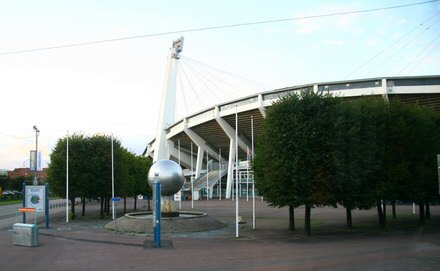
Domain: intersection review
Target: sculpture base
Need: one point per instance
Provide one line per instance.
(169, 214)
(186, 221)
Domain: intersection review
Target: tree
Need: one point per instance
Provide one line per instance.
(346, 182)
(423, 132)
(294, 161)
(398, 153)
(272, 179)
(90, 169)
(317, 150)
(136, 181)
(139, 173)
(77, 174)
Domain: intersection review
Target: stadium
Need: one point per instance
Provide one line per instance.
(215, 145)
(204, 143)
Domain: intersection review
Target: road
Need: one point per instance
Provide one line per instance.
(9, 215)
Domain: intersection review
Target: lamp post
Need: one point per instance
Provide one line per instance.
(37, 132)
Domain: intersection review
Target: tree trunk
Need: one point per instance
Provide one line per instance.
(125, 205)
(384, 203)
(349, 219)
(291, 218)
(394, 209)
(72, 201)
(149, 206)
(108, 205)
(83, 201)
(102, 207)
(104, 204)
(380, 215)
(307, 220)
(422, 217)
(428, 211)
(135, 203)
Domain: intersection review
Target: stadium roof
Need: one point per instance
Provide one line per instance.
(212, 128)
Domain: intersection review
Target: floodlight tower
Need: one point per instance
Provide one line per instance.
(168, 102)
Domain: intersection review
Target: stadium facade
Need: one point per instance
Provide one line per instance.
(205, 143)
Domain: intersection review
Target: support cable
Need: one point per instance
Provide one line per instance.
(389, 46)
(240, 77)
(214, 28)
(215, 77)
(182, 91)
(191, 85)
(435, 48)
(203, 82)
(406, 44)
(198, 73)
(419, 54)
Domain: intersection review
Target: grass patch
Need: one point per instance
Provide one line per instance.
(10, 202)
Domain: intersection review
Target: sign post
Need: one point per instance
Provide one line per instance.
(47, 204)
(23, 192)
(37, 197)
(28, 210)
(156, 212)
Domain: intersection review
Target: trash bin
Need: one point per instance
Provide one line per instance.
(25, 234)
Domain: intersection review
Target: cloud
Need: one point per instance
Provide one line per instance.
(14, 156)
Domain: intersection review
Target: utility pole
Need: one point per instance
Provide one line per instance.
(37, 132)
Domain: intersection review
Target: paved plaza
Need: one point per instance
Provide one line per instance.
(83, 244)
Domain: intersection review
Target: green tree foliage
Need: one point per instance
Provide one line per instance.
(16, 184)
(347, 179)
(418, 157)
(136, 183)
(372, 120)
(90, 169)
(294, 162)
(317, 150)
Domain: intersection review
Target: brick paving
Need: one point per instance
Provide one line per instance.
(84, 244)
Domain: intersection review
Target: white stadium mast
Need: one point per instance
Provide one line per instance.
(168, 102)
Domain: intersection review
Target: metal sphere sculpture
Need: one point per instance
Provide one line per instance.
(170, 176)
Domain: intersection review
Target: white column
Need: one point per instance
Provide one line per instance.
(168, 102)
(261, 105)
(231, 160)
(199, 161)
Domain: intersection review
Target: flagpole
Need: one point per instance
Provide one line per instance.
(237, 234)
(207, 176)
(192, 178)
(220, 173)
(253, 180)
(180, 191)
(247, 174)
(67, 179)
(113, 183)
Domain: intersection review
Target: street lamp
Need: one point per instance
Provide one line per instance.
(37, 132)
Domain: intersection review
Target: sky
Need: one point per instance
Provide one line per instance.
(115, 87)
